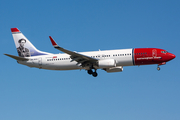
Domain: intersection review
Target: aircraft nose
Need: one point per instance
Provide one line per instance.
(171, 56)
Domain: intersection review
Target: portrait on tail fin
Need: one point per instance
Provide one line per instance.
(22, 51)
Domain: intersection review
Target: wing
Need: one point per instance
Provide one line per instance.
(17, 58)
(79, 58)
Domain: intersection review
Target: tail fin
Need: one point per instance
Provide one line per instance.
(24, 47)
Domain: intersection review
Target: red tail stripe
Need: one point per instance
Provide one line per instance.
(14, 30)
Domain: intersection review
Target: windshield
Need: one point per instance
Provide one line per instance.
(164, 51)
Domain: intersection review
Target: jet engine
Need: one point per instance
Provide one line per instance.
(106, 63)
(114, 69)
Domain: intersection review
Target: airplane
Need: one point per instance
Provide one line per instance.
(108, 60)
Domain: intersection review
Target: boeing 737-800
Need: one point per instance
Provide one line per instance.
(108, 60)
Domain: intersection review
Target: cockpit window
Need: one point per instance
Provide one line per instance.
(164, 51)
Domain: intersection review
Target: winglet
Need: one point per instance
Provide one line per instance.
(53, 42)
(14, 30)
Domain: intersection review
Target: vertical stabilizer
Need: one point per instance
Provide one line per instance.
(24, 47)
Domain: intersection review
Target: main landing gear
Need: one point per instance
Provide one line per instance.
(94, 74)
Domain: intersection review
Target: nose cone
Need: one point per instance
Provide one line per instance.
(171, 56)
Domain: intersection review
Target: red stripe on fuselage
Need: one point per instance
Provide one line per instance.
(145, 56)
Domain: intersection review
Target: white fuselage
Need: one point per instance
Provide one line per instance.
(123, 57)
(108, 60)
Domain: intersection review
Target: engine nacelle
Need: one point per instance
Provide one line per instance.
(114, 69)
(106, 63)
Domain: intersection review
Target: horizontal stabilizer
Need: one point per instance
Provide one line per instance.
(17, 58)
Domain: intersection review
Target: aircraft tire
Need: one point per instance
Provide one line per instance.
(94, 74)
(158, 68)
(90, 72)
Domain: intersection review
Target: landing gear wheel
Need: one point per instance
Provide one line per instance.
(158, 68)
(90, 72)
(94, 74)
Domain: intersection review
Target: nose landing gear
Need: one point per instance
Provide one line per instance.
(163, 63)
(158, 68)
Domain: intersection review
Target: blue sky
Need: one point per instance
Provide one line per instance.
(137, 93)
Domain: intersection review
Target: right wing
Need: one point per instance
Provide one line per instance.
(79, 58)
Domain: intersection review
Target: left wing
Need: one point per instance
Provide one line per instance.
(79, 58)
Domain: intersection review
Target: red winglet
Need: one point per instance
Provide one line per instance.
(14, 30)
(52, 41)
